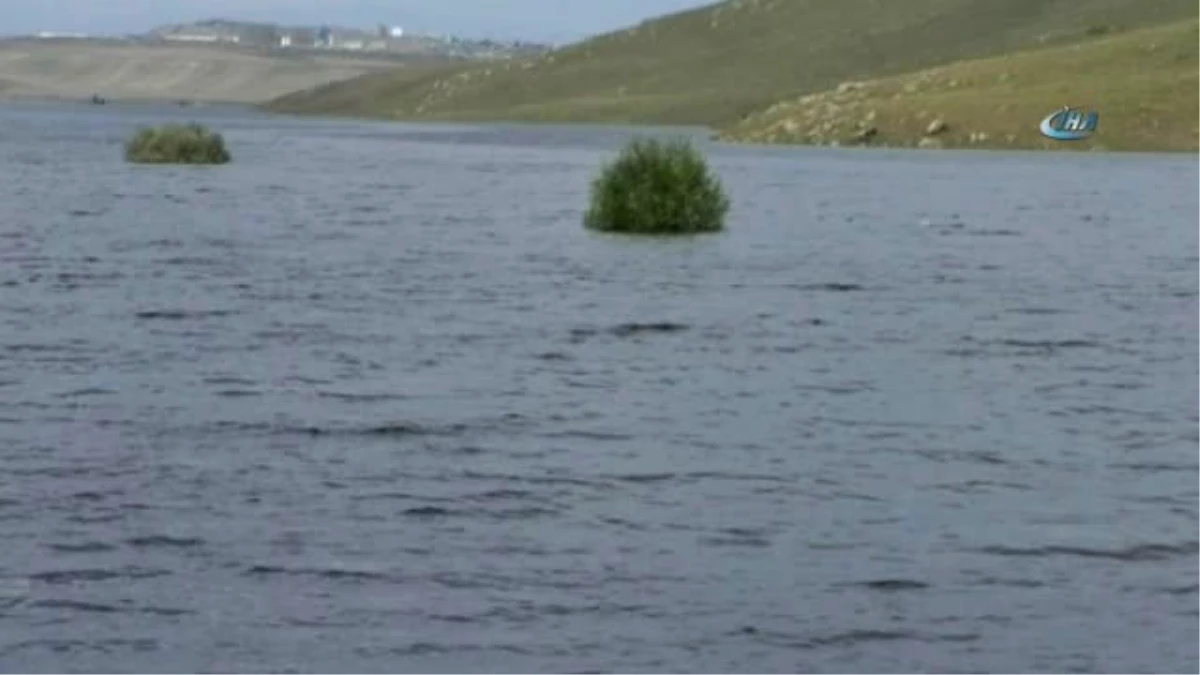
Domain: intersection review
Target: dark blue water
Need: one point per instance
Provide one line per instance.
(369, 399)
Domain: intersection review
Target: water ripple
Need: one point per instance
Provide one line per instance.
(370, 398)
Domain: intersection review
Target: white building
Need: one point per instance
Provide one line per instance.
(397, 32)
(285, 41)
(202, 37)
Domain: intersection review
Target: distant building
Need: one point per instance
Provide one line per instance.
(285, 40)
(201, 34)
(397, 32)
(193, 37)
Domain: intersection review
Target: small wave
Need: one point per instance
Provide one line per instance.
(693, 477)
(430, 512)
(77, 606)
(622, 523)
(1010, 583)
(736, 541)
(398, 429)
(1048, 344)
(838, 390)
(455, 618)
(829, 287)
(57, 645)
(1103, 410)
(324, 573)
(1138, 553)
(591, 435)
(35, 348)
(361, 397)
(979, 486)
(164, 541)
(165, 611)
(180, 314)
(627, 330)
(995, 233)
(89, 496)
(1156, 467)
(554, 356)
(94, 575)
(418, 649)
(503, 493)
(1025, 347)
(852, 638)
(1038, 311)
(89, 519)
(893, 585)
(87, 547)
(184, 260)
(405, 429)
(552, 478)
(976, 456)
(86, 392)
(519, 513)
(855, 637)
(644, 477)
(230, 381)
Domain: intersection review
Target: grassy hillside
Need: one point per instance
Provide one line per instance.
(1143, 84)
(71, 69)
(719, 63)
(366, 95)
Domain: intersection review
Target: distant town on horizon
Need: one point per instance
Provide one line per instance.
(382, 38)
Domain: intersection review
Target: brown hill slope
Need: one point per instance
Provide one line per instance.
(73, 69)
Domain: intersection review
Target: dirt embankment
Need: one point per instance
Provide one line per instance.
(57, 69)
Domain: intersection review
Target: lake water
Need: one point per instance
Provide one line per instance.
(370, 399)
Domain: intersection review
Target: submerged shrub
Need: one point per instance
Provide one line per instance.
(657, 187)
(177, 144)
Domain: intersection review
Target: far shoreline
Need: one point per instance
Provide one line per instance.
(713, 135)
(709, 134)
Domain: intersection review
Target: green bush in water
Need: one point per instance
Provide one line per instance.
(177, 144)
(657, 187)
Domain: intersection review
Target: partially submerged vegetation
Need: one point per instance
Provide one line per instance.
(714, 65)
(660, 188)
(177, 144)
(1143, 84)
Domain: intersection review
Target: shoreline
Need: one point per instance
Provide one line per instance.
(710, 134)
(715, 135)
(87, 101)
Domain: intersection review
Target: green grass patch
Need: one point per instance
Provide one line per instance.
(1142, 83)
(177, 144)
(714, 65)
(658, 188)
